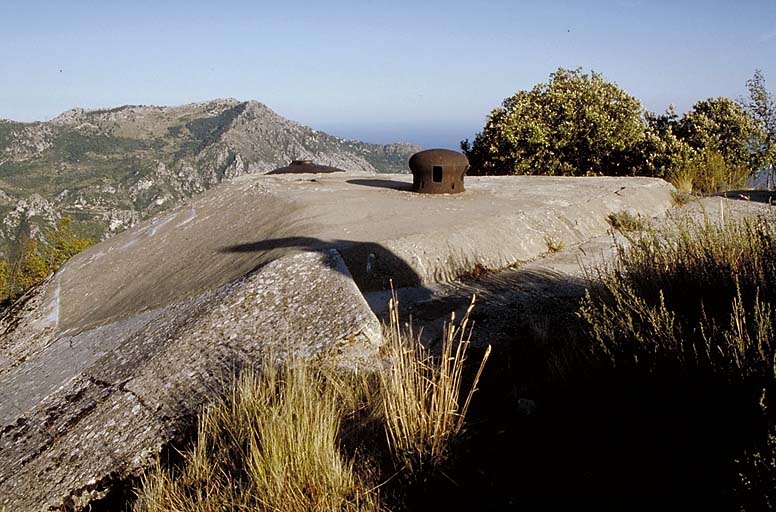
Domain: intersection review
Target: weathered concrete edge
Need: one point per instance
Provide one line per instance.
(499, 243)
(127, 413)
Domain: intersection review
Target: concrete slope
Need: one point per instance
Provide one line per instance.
(108, 361)
(383, 232)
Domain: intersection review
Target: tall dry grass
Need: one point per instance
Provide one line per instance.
(708, 172)
(271, 445)
(276, 442)
(421, 392)
(686, 315)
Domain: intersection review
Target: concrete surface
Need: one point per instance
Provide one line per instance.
(106, 363)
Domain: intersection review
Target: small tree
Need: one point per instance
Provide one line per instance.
(661, 152)
(721, 125)
(576, 124)
(762, 107)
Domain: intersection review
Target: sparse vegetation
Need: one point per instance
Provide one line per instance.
(553, 244)
(124, 159)
(625, 221)
(36, 260)
(276, 443)
(686, 317)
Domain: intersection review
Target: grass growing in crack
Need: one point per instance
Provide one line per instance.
(553, 245)
(625, 221)
(277, 442)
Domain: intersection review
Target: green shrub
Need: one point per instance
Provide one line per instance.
(579, 124)
(576, 124)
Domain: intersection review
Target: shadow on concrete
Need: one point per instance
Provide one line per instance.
(538, 302)
(372, 266)
(757, 196)
(377, 183)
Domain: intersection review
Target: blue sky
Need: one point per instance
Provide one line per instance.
(426, 72)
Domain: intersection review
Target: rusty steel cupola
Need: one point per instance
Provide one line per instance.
(438, 171)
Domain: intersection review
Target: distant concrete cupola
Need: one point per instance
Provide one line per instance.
(304, 167)
(438, 171)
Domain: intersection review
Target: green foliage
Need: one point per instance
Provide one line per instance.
(73, 146)
(661, 152)
(7, 129)
(37, 260)
(761, 105)
(722, 126)
(63, 244)
(577, 124)
(207, 130)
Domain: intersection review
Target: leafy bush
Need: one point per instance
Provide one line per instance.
(720, 126)
(580, 125)
(577, 124)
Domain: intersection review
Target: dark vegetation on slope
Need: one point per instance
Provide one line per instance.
(662, 389)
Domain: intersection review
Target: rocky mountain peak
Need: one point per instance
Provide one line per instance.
(108, 168)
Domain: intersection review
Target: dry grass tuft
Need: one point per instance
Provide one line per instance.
(421, 393)
(708, 172)
(681, 198)
(277, 441)
(272, 445)
(553, 245)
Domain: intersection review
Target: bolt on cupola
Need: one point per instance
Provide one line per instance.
(438, 171)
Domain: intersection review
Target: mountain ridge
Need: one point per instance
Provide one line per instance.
(108, 168)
